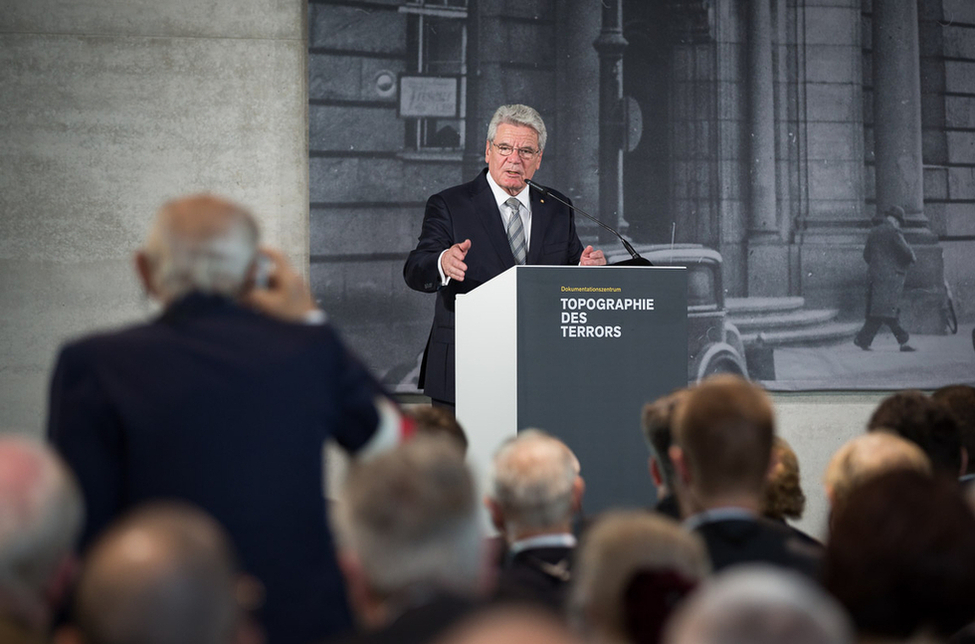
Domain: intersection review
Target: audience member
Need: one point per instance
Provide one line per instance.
(917, 417)
(438, 420)
(658, 419)
(511, 625)
(960, 401)
(866, 457)
(901, 557)
(41, 514)
(760, 604)
(632, 570)
(721, 453)
(412, 547)
(536, 492)
(224, 407)
(163, 574)
(784, 498)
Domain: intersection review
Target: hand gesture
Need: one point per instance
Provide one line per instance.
(452, 261)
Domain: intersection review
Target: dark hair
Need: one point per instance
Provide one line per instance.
(658, 420)
(438, 421)
(926, 422)
(650, 598)
(960, 401)
(901, 556)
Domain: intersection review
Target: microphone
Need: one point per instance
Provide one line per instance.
(635, 258)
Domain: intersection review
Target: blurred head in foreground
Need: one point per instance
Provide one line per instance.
(759, 605)
(901, 556)
(631, 571)
(164, 574)
(408, 523)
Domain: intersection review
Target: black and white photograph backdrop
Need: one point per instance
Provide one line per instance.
(764, 144)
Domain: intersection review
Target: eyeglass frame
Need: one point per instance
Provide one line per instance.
(522, 152)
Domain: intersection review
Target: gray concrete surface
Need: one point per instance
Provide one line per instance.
(110, 107)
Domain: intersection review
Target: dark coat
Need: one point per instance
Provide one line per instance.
(759, 540)
(537, 576)
(469, 211)
(226, 409)
(888, 256)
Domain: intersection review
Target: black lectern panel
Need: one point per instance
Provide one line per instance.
(595, 344)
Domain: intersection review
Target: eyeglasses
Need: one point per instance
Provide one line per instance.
(526, 154)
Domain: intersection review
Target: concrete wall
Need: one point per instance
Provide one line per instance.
(110, 107)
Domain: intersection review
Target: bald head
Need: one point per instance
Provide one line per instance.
(537, 487)
(199, 243)
(163, 575)
(41, 513)
(868, 456)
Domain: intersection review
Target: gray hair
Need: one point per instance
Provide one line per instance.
(410, 515)
(620, 545)
(518, 115)
(41, 515)
(201, 243)
(534, 474)
(759, 605)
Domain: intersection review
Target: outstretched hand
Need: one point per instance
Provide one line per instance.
(592, 257)
(285, 296)
(452, 261)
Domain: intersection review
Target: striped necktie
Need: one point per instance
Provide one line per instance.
(516, 232)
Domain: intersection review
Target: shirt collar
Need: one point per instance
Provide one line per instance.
(501, 195)
(718, 514)
(561, 540)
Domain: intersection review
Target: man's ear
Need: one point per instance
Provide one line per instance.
(578, 490)
(496, 514)
(681, 468)
(654, 466)
(357, 586)
(143, 266)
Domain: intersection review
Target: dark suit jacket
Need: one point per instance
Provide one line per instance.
(888, 256)
(469, 211)
(227, 409)
(423, 623)
(537, 576)
(735, 541)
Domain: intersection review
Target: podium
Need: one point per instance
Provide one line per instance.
(575, 351)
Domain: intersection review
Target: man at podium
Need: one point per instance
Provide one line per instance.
(475, 231)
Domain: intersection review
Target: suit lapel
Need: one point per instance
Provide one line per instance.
(490, 217)
(542, 212)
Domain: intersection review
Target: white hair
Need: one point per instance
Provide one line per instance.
(411, 517)
(534, 475)
(216, 260)
(41, 515)
(759, 605)
(518, 115)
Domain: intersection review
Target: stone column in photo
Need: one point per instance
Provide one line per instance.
(767, 253)
(610, 46)
(898, 159)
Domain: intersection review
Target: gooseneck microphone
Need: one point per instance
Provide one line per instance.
(636, 258)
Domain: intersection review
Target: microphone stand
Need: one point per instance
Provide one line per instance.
(635, 258)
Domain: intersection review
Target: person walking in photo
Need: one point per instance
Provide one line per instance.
(888, 255)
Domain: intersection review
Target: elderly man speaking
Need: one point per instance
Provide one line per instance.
(225, 401)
